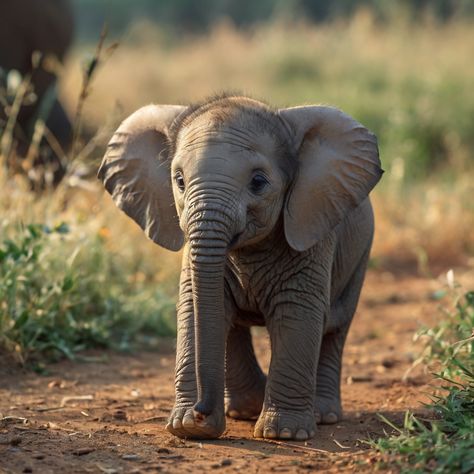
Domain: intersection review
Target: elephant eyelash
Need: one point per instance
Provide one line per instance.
(179, 180)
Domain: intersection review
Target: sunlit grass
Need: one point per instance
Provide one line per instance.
(427, 225)
(411, 84)
(76, 274)
(444, 443)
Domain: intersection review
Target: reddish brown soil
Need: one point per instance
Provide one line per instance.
(118, 424)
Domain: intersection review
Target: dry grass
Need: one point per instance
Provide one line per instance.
(412, 85)
(344, 64)
(90, 213)
(427, 227)
(103, 281)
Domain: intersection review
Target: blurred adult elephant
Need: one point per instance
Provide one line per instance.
(46, 27)
(273, 206)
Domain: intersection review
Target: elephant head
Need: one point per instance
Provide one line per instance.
(221, 176)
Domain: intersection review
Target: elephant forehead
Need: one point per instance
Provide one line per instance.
(225, 148)
(229, 133)
(217, 157)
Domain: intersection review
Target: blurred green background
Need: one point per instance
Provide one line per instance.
(177, 16)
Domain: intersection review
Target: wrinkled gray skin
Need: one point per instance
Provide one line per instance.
(273, 207)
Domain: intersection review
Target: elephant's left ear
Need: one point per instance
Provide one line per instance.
(338, 166)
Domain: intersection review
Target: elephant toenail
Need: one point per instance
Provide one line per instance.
(269, 433)
(330, 418)
(312, 433)
(285, 433)
(233, 413)
(177, 424)
(188, 422)
(301, 435)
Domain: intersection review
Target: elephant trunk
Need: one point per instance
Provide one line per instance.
(209, 240)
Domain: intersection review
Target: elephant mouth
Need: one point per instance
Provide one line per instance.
(234, 241)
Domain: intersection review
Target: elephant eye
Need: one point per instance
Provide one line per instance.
(179, 180)
(258, 183)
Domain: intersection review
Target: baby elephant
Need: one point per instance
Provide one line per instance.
(273, 208)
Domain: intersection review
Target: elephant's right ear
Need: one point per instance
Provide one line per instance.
(136, 172)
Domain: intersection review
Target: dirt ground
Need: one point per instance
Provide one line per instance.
(107, 413)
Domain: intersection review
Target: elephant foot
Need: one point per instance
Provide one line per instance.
(185, 422)
(285, 424)
(327, 411)
(245, 404)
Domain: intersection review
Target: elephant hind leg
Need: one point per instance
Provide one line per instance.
(327, 403)
(328, 408)
(245, 381)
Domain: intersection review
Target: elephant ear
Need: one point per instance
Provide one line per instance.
(136, 172)
(338, 165)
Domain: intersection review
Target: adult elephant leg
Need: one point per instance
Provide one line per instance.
(328, 409)
(244, 379)
(185, 371)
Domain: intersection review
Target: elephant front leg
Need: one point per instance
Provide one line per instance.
(288, 410)
(182, 421)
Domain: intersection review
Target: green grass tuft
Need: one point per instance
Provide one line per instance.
(444, 444)
(62, 292)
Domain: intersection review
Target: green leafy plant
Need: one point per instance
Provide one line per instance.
(444, 444)
(450, 343)
(61, 293)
